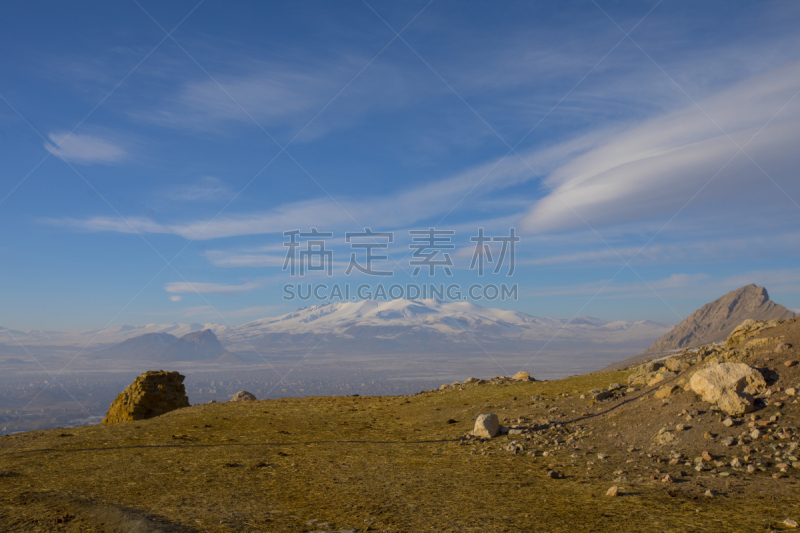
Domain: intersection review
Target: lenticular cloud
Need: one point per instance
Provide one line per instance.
(656, 168)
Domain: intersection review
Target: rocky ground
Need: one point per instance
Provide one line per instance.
(637, 449)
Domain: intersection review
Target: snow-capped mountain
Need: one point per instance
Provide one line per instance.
(431, 325)
(398, 326)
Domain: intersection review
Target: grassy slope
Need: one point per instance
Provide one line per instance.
(355, 463)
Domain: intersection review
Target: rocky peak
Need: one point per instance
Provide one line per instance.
(716, 320)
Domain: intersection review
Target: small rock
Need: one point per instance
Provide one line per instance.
(790, 363)
(782, 347)
(706, 456)
(708, 436)
(709, 494)
(553, 474)
(730, 441)
(728, 422)
(680, 427)
(755, 434)
(243, 396)
(791, 391)
(790, 523)
(664, 391)
(602, 456)
(614, 386)
(664, 437)
(613, 491)
(667, 479)
(751, 469)
(736, 463)
(521, 376)
(599, 394)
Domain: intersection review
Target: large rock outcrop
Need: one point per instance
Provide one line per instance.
(153, 393)
(715, 321)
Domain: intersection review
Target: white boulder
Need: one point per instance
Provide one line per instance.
(486, 425)
(730, 385)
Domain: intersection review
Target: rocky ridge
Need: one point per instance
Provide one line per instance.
(715, 321)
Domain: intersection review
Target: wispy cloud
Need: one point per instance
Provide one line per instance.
(181, 287)
(84, 149)
(610, 176)
(205, 189)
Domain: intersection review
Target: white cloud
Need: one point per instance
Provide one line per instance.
(653, 169)
(205, 189)
(385, 212)
(208, 288)
(175, 298)
(84, 149)
(227, 259)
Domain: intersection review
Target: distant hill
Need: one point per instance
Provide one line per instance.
(195, 346)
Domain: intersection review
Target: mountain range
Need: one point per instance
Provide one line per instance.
(397, 326)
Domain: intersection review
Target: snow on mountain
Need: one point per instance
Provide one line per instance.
(370, 326)
(431, 322)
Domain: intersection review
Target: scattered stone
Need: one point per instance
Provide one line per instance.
(755, 434)
(709, 494)
(790, 523)
(554, 474)
(790, 363)
(522, 376)
(243, 396)
(708, 436)
(791, 391)
(667, 479)
(736, 463)
(706, 456)
(613, 491)
(153, 393)
(486, 425)
(730, 441)
(614, 386)
(728, 422)
(680, 427)
(751, 469)
(602, 456)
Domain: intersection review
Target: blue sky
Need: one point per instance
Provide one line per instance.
(153, 154)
